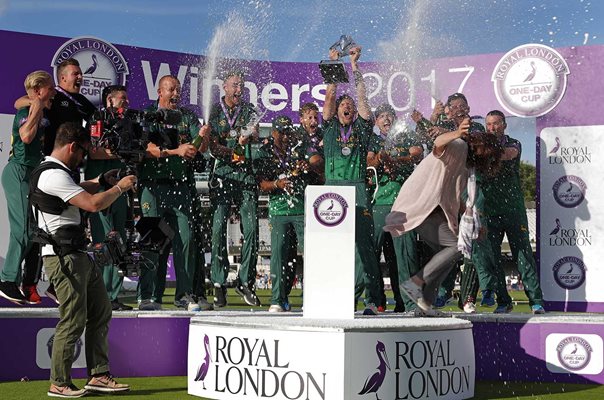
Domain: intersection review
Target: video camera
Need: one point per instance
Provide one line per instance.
(153, 234)
(125, 132)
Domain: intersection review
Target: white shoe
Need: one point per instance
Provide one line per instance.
(412, 290)
(469, 308)
(275, 308)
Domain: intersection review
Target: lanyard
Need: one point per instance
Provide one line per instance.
(226, 114)
(345, 136)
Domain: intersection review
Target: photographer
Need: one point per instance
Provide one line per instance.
(115, 99)
(165, 176)
(58, 200)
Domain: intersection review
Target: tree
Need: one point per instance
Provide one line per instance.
(528, 181)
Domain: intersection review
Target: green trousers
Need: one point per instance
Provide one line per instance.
(282, 269)
(400, 254)
(15, 182)
(101, 223)
(367, 272)
(515, 226)
(172, 201)
(199, 277)
(246, 198)
(83, 305)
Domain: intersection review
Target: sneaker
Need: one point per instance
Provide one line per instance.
(412, 290)
(286, 306)
(117, 306)
(469, 307)
(10, 291)
(30, 292)
(370, 309)
(219, 295)
(52, 294)
(442, 301)
(106, 384)
(204, 304)
(488, 298)
(248, 295)
(66, 392)
(399, 308)
(148, 305)
(276, 308)
(538, 309)
(188, 302)
(381, 309)
(431, 313)
(503, 309)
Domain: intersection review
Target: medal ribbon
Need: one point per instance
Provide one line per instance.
(345, 136)
(230, 120)
(70, 97)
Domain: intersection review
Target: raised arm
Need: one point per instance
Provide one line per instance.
(441, 142)
(329, 107)
(363, 107)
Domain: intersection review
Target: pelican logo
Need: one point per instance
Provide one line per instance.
(574, 353)
(203, 369)
(559, 236)
(102, 64)
(569, 272)
(330, 209)
(560, 154)
(530, 80)
(375, 381)
(569, 191)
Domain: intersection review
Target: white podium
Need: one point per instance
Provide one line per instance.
(329, 223)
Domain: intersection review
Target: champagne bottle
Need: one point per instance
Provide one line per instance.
(197, 141)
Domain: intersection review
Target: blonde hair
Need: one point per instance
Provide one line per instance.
(37, 79)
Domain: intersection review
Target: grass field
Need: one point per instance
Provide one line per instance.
(175, 387)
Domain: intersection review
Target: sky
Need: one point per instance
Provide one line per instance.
(301, 31)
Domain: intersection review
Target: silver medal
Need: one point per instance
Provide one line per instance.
(282, 176)
(346, 151)
(233, 133)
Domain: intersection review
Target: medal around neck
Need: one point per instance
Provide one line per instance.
(346, 151)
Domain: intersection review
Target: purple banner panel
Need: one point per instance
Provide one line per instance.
(154, 346)
(277, 87)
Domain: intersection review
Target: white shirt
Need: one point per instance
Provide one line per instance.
(57, 182)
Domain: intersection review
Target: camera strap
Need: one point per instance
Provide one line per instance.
(41, 201)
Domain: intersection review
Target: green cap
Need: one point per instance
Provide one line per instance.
(282, 123)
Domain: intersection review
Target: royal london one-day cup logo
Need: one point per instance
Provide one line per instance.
(569, 272)
(574, 352)
(569, 191)
(530, 80)
(102, 64)
(330, 209)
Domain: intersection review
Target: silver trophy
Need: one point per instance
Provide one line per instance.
(333, 71)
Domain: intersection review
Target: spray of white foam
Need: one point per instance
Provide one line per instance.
(236, 41)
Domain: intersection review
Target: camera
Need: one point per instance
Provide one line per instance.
(125, 134)
(152, 234)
